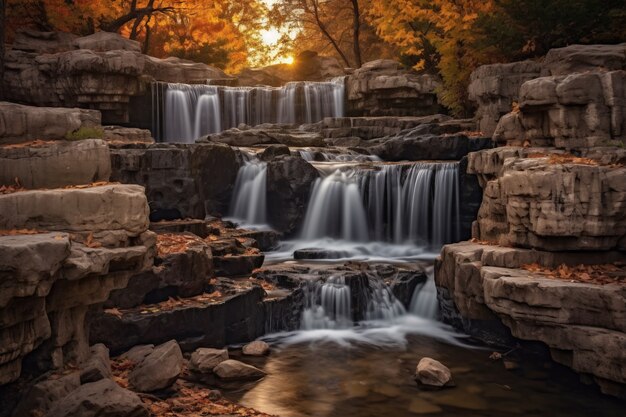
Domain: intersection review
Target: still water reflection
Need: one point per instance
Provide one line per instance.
(326, 379)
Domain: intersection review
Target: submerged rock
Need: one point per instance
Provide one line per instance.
(159, 369)
(256, 348)
(432, 373)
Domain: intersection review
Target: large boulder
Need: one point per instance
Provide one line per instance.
(549, 202)
(183, 266)
(42, 395)
(99, 399)
(433, 373)
(204, 360)
(159, 370)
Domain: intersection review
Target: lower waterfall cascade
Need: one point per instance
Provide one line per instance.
(189, 111)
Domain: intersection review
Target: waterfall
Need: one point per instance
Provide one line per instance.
(327, 305)
(383, 305)
(396, 203)
(336, 209)
(424, 300)
(249, 202)
(190, 111)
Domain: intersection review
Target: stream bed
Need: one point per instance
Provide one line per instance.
(335, 375)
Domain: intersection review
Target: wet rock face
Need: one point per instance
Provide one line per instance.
(382, 88)
(582, 323)
(289, 182)
(102, 71)
(181, 180)
(420, 144)
(178, 274)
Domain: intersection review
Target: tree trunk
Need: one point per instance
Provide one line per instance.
(356, 32)
(327, 34)
(2, 38)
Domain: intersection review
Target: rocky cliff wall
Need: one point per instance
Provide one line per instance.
(67, 239)
(547, 259)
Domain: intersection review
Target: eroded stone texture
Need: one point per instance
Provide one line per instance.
(55, 164)
(49, 280)
(181, 181)
(573, 111)
(581, 108)
(20, 123)
(495, 87)
(583, 324)
(103, 74)
(91, 209)
(532, 202)
(382, 88)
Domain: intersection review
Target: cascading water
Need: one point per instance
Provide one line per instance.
(249, 202)
(191, 111)
(424, 300)
(327, 305)
(397, 203)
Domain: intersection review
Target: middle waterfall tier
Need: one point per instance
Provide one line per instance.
(189, 111)
(397, 203)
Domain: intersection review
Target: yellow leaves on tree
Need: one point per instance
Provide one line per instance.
(439, 33)
(215, 32)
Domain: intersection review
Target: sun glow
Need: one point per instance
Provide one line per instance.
(270, 36)
(288, 60)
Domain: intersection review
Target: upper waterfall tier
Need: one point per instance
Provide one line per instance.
(185, 112)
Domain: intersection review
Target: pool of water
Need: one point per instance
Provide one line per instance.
(357, 376)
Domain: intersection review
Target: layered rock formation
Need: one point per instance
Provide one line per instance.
(101, 71)
(63, 250)
(181, 180)
(494, 88)
(554, 198)
(382, 88)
